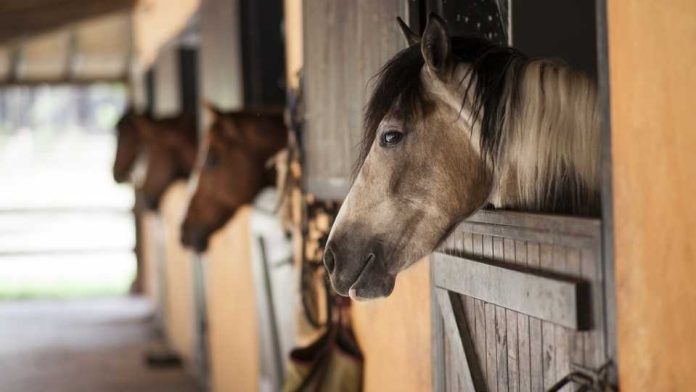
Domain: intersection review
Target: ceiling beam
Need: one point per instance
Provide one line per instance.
(22, 19)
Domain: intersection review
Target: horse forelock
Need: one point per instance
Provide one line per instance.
(398, 88)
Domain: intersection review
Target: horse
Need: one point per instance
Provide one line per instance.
(171, 144)
(128, 146)
(455, 124)
(231, 169)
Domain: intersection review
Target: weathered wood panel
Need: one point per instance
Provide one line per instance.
(550, 298)
(346, 42)
(653, 127)
(518, 347)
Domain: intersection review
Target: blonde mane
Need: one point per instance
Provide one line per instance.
(549, 151)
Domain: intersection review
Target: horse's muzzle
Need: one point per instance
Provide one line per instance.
(358, 271)
(195, 237)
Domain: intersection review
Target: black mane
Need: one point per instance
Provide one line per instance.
(398, 86)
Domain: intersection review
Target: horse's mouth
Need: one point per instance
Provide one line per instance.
(368, 262)
(373, 281)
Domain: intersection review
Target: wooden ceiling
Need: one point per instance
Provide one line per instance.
(26, 18)
(65, 41)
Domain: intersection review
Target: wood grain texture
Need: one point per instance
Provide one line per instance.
(231, 305)
(179, 312)
(517, 351)
(338, 66)
(394, 334)
(652, 81)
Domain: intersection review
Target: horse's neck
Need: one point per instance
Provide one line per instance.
(550, 146)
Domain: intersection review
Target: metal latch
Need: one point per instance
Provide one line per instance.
(590, 380)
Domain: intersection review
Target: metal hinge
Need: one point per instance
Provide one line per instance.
(590, 380)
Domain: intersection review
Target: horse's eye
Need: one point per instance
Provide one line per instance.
(391, 138)
(211, 161)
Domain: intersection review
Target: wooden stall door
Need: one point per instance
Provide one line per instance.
(517, 302)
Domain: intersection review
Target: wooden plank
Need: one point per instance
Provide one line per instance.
(528, 234)
(593, 344)
(523, 346)
(512, 319)
(576, 339)
(491, 332)
(456, 346)
(548, 298)
(479, 307)
(438, 345)
(501, 330)
(566, 225)
(559, 254)
(491, 356)
(536, 372)
(548, 336)
(501, 348)
(338, 68)
(464, 245)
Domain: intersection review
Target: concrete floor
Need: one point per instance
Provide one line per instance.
(81, 345)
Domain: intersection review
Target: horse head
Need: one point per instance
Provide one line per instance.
(231, 169)
(455, 123)
(171, 145)
(128, 146)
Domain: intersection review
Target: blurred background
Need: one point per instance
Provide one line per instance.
(66, 228)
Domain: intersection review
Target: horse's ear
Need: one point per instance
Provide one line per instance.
(411, 37)
(212, 109)
(436, 47)
(230, 128)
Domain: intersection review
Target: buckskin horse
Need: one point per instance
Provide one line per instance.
(231, 170)
(171, 145)
(453, 124)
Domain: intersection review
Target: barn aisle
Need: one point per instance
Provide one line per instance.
(81, 345)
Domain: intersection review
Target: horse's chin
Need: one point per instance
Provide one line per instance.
(196, 240)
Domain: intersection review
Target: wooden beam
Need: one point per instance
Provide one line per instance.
(549, 298)
(451, 328)
(22, 19)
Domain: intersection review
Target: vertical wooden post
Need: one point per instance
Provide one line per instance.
(652, 78)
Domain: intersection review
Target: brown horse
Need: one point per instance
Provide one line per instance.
(171, 145)
(456, 123)
(128, 146)
(232, 169)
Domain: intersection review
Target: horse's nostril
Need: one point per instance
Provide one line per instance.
(329, 259)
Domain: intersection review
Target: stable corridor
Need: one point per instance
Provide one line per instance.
(82, 345)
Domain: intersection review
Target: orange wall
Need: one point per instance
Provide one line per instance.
(394, 334)
(179, 298)
(652, 54)
(232, 319)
